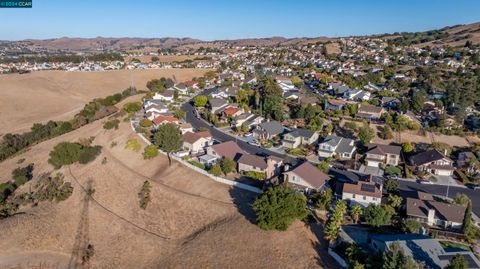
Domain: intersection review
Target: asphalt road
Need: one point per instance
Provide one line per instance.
(252, 149)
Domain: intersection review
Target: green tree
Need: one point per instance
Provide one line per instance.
(377, 216)
(149, 152)
(458, 262)
(200, 101)
(216, 170)
(325, 199)
(412, 226)
(323, 166)
(228, 165)
(461, 199)
(297, 81)
(408, 147)
(169, 139)
(132, 107)
(64, 153)
(331, 232)
(271, 99)
(395, 258)
(394, 200)
(278, 207)
(355, 212)
(391, 185)
(366, 134)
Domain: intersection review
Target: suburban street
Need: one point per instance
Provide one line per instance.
(440, 190)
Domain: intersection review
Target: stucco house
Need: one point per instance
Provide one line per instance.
(197, 142)
(362, 193)
(306, 177)
(433, 162)
(382, 154)
(268, 165)
(298, 137)
(334, 145)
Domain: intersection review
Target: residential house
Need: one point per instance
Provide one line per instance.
(227, 149)
(197, 142)
(334, 104)
(230, 112)
(268, 165)
(185, 127)
(357, 95)
(423, 249)
(249, 80)
(390, 102)
(435, 213)
(306, 177)
(153, 110)
(466, 160)
(362, 193)
(334, 145)
(370, 112)
(163, 119)
(432, 161)
(268, 130)
(241, 119)
(252, 122)
(181, 88)
(166, 95)
(382, 154)
(216, 104)
(298, 137)
(284, 83)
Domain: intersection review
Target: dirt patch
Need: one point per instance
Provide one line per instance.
(58, 95)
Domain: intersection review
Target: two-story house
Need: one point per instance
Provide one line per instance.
(216, 104)
(382, 154)
(306, 177)
(298, 137)
(268, 130)
(197, 142)
(370, 112)
(334, 104)
(269, 165)
(334, 145)
(362, 193)
(432, 161)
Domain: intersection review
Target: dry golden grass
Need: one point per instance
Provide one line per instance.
(57, 95)
(163, 58)
(191, 220)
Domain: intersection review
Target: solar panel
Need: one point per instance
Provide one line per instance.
(367, 188)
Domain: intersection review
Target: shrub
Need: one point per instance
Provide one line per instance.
(133, 144)
(132, 107)
(89, 154)
(197, 164)
(21, 175)
(144, 195)
(52, 188)
(111, 124)
(64, 153)
(146, 123)
(393, 170)
(216, 170)
(256, 175)
(412, 226)
(150, 152)
(88, 253)
(200, 101)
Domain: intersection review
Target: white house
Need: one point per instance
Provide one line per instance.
(363, 193)
(336, 146)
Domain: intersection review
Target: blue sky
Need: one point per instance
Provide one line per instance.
(229, 19)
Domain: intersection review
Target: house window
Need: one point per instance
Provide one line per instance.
(364, 197)
(353, 196)
(374, 199)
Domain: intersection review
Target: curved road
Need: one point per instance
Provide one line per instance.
(440, 190)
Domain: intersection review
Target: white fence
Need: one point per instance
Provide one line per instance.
(199, 170)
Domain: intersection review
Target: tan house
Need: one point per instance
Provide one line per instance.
(299, 137)
(197, 142)
(268, 165)
(382, 154)
(306, 177)
(228, 149)
(370, 112)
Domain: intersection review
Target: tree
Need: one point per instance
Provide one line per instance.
(132, 107)
(200, 101)
(216, 170)
(391, 185)
(149, 152)
(395, 258)
(366, 134)
(271, 99)
(461, 199)
(408, 147)
(325, 199)
(145, 123)
(64, 153)
(323, 166)
(386, 133)
(412, 226)
(278, 207)
(331, 231)
(355, 212)
(458, 262)
(377, 216)
(394, 200)
(297, 81)
(169, 139)
(228, 165)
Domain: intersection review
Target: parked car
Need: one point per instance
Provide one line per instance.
(424, 181)
(473, 186)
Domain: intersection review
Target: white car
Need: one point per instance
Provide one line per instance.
(424, 181)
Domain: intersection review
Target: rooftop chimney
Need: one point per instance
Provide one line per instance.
(431, 217)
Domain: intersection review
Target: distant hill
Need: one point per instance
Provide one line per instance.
(452, 36)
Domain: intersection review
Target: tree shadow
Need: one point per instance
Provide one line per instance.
(243, 201)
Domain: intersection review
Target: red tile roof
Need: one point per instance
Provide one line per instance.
(164, 119)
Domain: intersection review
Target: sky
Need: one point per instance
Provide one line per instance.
(231, 19)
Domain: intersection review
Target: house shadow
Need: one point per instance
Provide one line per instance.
(243, 201)
(320, 245)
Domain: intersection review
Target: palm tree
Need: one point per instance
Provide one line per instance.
(331, 232)
(356, 212)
